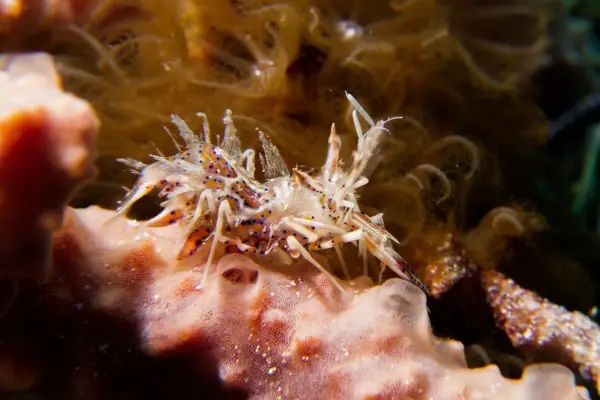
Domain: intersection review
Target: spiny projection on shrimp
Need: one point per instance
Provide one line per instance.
(211, 191)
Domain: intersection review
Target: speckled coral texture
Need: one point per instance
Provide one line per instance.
(279, 331)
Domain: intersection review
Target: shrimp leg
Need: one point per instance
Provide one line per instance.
(224, 215)
(296, 250)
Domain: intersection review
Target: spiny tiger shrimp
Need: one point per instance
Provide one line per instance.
(211, 191)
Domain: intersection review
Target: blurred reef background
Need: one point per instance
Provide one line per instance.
(494, 166)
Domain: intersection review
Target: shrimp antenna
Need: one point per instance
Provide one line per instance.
(360, 109)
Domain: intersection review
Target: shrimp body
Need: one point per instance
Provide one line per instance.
(211, 191)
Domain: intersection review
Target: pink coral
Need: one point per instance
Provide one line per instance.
(279, 331)
(47, 140)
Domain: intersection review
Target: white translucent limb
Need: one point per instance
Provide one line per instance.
(175, 142)
(134, 196)
(296, 250)
(136, 165)
(301, 229)
(348, 204)
(157, 221)
(231, 144)
(362, 181)
(157, 150)
(345, 238)
(303, 176)
(395, 262)
(224, 215)
(360, 109)
(206, 201)
(340, 256)
(185, 131)
(249, 157)
(364, 254)
(242, 246)
(360, 148)
(358, 129)
(377, 219)
(273, 164)
(333, 154)
(205, 126)
(374, 227)
(298, 223)
(316, 224)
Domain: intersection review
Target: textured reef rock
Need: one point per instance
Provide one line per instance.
(537, 326)
(277, 331)
(441, 259)
(47, 140)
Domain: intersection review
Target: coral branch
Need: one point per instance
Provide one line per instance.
(46, 151)
(538, 327)
(441, 260)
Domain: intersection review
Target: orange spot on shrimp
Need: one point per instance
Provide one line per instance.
(193, 242)
(166, 217)
(248, 195)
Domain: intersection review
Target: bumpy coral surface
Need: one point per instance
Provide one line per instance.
(535, 325)
(46, 151)
(278, 331)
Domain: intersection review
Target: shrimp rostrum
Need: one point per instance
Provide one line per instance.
(210, 190)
